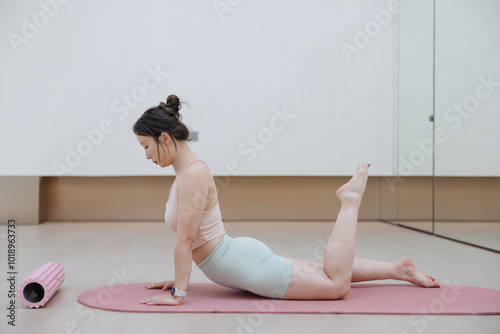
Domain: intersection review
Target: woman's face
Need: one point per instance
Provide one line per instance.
(152, 149)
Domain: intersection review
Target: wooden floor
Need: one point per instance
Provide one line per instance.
(96, 254)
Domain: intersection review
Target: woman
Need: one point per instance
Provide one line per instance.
(245, 263)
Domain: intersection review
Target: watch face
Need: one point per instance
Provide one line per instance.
(172, 292)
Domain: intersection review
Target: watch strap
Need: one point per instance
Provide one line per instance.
(176, 292)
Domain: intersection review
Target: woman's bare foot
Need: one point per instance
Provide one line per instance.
(352, 191)
(409, 272)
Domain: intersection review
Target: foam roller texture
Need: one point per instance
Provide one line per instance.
(40, 286)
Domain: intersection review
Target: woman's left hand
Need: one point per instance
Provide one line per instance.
(163, 299)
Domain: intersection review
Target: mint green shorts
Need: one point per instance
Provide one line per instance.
(248, 264)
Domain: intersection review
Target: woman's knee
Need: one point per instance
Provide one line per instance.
(334, 289)
(340, 290)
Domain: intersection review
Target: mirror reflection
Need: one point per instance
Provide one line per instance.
(447, 115)
(467, 105)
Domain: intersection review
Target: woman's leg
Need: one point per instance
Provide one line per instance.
(403, 270)
(339, 262)
(309, 280)
(368, 270)
(333, 279)
(339, 253)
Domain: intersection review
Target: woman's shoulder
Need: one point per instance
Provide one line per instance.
(196, 172)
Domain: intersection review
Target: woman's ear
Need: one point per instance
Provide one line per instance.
(165, 138)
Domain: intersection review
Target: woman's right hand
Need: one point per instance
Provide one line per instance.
(161, 285)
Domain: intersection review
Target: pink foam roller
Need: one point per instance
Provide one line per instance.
(40, 286)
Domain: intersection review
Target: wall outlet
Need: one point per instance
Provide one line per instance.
(193, 136)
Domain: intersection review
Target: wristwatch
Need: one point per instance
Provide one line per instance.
(176, 292)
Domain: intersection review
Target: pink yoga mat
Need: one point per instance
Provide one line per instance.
(363, 299)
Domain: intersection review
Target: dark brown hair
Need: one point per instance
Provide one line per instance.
(163, 118)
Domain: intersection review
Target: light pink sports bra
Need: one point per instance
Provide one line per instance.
(211, 225)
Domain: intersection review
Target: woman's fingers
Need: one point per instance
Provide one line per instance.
(164, 299)
(168, 285)
(165, 285)
(158, 285)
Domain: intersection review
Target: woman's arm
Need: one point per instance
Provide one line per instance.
(193, 196)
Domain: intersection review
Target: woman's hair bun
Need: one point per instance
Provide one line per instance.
(172, 106)
(173, 101)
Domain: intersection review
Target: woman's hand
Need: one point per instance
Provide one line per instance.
(161, 285)
(164, 299)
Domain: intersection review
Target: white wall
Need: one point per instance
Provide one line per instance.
(467, 108)
(67, 68)
(467, 111)
(414, 87)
